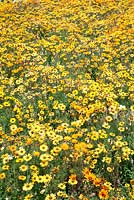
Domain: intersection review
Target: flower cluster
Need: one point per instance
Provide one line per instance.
(67, 100)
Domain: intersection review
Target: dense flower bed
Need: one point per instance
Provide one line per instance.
(67, 100)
